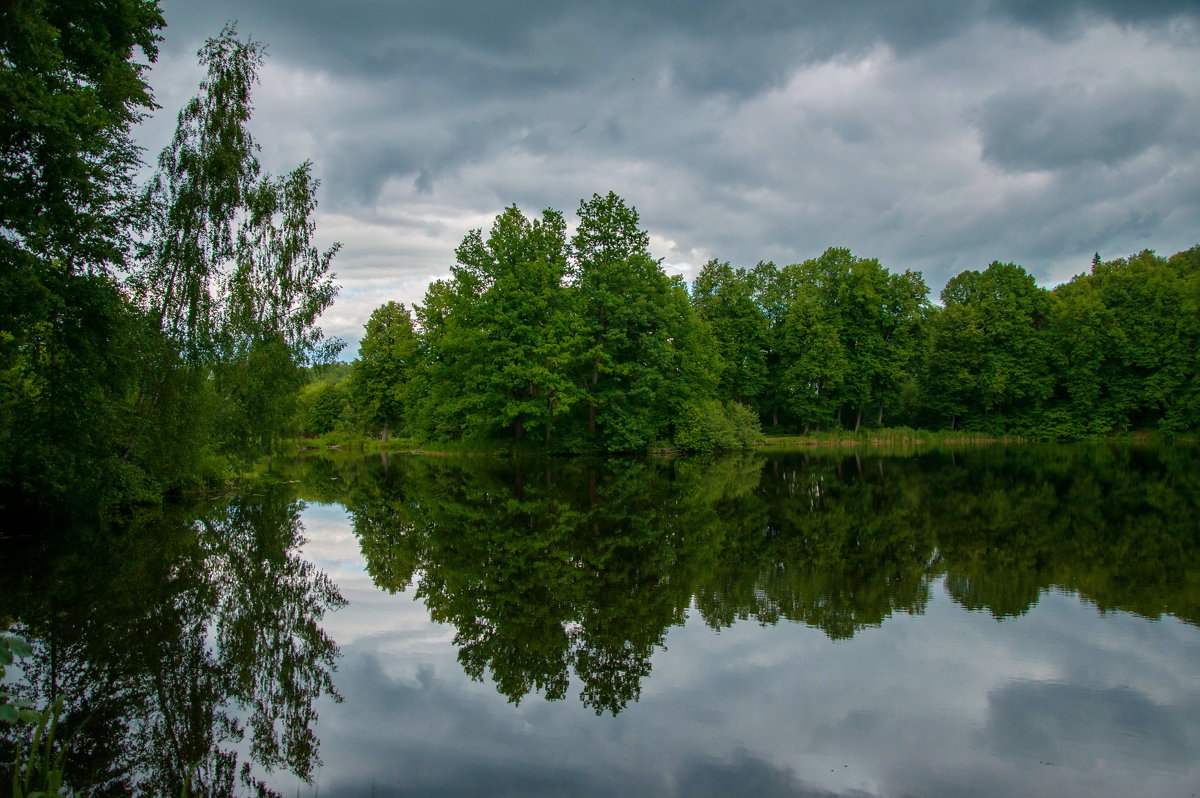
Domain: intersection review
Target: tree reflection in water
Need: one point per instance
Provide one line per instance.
(554, 568)
(185, 641)
(191, 636)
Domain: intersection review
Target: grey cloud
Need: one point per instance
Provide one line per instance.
(1072, 124)
(720, 47)
(430, 737)
(742, 131)
(1064, 17)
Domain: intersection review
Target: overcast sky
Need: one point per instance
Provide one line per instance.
(936, 136)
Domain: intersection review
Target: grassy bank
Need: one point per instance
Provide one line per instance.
(895, 438)
(891, 437)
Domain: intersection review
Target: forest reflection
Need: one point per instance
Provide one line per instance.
(186, 642)
(550, 568)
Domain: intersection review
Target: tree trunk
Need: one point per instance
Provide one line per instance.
(879, 418)
(858, 419)
(385, 432)
(519, 427)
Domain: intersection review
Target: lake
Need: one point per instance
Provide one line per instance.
(988, 621)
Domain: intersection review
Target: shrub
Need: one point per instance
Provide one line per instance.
(709, 426)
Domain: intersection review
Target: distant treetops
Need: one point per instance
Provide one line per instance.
(583, 343)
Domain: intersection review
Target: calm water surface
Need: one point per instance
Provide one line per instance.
(1004, 622)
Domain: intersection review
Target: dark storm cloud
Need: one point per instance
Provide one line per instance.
(1072, 124)
(933, 135)
(1064, 17)
(481, 73)
(712, 46)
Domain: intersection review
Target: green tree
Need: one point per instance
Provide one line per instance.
(71, 86)
(384, 382)
(322, 407)
(988, 365)
(228, 267)
(774, 289)
(724, 298)
(844, 336)
(1149, 371)
(813, 361)
(499, 335)
(635, 323)
(1081, 329)
(72, 89)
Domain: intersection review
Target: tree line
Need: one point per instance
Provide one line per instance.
(584, 343)
(151, 336)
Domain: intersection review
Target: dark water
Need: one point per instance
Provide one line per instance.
(990, 621)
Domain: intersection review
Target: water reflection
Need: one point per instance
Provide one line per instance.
(553, 568)
(185, 641)
(197, 634)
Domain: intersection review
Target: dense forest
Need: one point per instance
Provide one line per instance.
(585, 344)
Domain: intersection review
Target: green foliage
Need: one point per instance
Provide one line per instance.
(843, 339)
(538, 342)
(228, 265)
(627, 340)
(706, 426)
(71, 90)
(323, 407)
(39, 764)
(498, 336)
(607, 353)
(724, 298)
(12, 648)
(39, 769)
(989, 367)
(384, 380)
(124, 390)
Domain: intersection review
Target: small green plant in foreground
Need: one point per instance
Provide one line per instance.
(39, 762)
